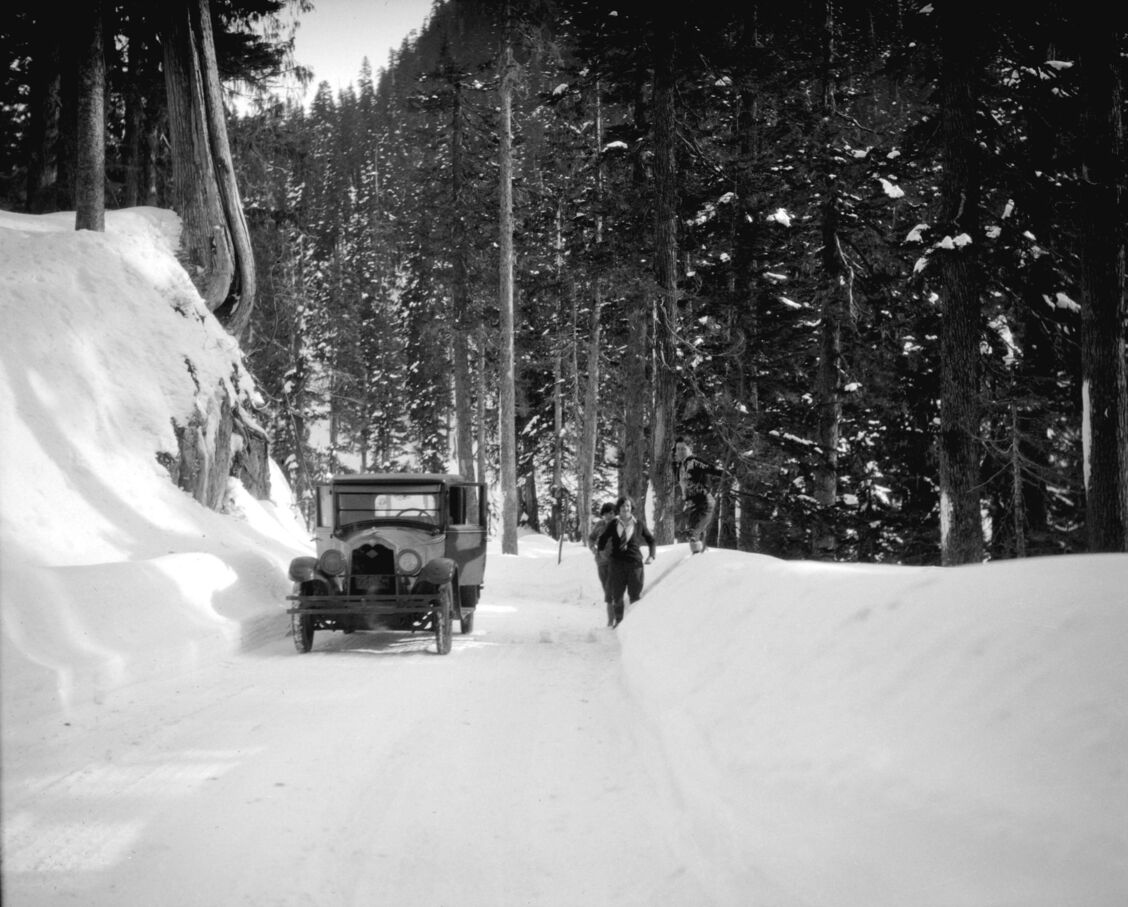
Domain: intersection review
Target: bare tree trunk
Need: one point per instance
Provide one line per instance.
(1104, 384)
(747, 268)
(235, 311)
(828, 379)
(663, 429)
(90, 172)
(1018, 503)
(636, 391)
(481, 406)
(460, 299)
(507, 378)
(961, 525)
(558, 448)
(636, 402)
(206, 250)
(585, 456)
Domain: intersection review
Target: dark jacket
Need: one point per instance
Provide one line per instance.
(593, 541)
(626, 550)
(693, 476)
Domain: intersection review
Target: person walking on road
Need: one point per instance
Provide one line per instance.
(699, 505)
(622, 539)
(603, 558)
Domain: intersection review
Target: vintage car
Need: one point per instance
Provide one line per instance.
(395, 551)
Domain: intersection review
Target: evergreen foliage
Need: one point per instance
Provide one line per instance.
(805, 348)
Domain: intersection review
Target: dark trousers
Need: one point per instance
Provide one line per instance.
(699, 516)
(604, 571)
(625, 576)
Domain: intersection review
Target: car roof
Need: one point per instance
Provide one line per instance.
(396, 478)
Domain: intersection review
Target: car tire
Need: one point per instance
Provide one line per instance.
(442, 617)
(302, 625)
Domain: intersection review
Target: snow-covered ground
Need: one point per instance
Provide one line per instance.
(756, 732)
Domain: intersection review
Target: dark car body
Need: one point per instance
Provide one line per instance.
(397, 551)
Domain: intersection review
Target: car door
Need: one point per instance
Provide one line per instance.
(467, 529)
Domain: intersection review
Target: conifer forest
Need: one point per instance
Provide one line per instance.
(868, 257)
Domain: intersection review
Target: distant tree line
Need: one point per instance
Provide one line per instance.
(869, 257)
(857, 252)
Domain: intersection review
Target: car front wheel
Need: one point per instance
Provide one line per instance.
(442, 618)
(302, 625)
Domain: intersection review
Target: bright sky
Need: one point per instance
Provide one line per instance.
(757, 731)
(334, 39)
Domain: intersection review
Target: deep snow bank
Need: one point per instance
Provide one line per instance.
(108, 572)
(971, 721)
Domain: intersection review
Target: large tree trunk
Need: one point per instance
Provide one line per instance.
(746, 271)
(206, 250)
(828, 378)
(235, 310)
(90, 172)
(585, 456)
(1104, 387)
(663, 429)
(635, 389)
(506, 378)
(481, 457)
(961, 525)
(636, 402)
(589, 409)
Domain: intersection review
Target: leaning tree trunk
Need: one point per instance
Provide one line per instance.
(235, 310)
(90, 165)
(1105, 394)
(206, 250)
(961, 526)
(215, 251)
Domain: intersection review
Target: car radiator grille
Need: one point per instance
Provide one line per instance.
(373, 570)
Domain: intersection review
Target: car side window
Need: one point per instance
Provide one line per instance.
(324, 507)
(464, 505)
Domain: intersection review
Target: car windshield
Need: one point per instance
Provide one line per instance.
(400, 504)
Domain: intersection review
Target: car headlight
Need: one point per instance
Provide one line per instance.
(409, 562)
(332, 562)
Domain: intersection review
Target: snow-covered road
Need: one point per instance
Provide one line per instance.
(369, 771)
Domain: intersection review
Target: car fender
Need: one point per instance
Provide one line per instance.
(434, 573)
(303, 569)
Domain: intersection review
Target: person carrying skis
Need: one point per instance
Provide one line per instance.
(602, 558)
(622, 538)
(692, 475)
